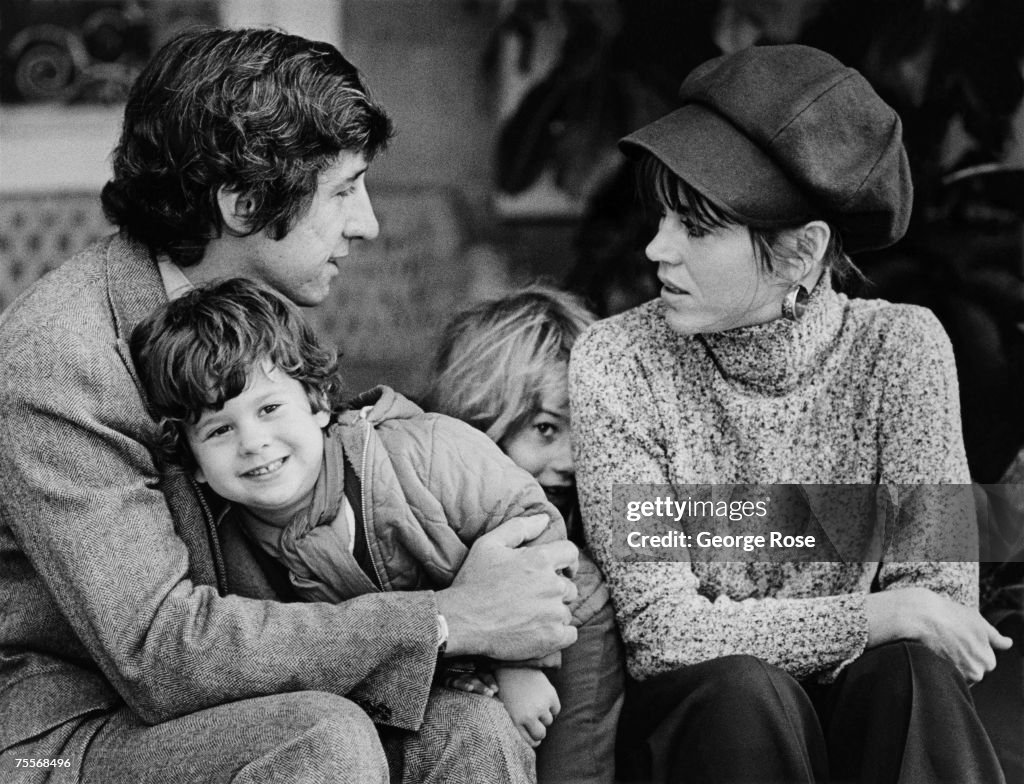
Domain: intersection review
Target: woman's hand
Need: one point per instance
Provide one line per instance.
(959, 633)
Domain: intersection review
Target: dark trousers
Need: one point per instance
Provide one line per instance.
(899, 713)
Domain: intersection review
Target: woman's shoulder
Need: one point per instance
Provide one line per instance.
(894, 324)
(634, 333)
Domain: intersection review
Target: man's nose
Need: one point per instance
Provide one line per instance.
(362, 222)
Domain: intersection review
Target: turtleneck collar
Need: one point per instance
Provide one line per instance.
(774, 357)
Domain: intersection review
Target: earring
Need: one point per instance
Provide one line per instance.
(794, 304)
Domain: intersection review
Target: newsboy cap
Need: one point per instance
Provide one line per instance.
(785, 134)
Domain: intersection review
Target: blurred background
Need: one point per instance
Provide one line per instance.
(505, 170)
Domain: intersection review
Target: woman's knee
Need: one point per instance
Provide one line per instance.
(720, 695)
(744, 680)
(897, 668)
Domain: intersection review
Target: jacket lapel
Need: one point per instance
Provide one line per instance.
(135, 289)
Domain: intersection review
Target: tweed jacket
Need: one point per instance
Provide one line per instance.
(430, 486)
(858, 392)
(116, 588)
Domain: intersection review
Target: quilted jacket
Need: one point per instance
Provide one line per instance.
(430, 486)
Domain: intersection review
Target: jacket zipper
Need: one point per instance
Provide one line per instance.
(363, 498)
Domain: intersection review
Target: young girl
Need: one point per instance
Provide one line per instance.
(503, 367)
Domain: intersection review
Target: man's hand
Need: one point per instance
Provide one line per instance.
(959, 633)
(509, 602)
(530, 700)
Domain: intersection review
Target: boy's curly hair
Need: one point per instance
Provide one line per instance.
(199, 351)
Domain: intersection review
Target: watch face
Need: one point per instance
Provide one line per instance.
(442, 633)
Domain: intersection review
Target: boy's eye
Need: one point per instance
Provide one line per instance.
(217, 431)
(270, 408)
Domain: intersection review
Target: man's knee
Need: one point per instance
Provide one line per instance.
(467, 738)
(299, 738)
(318, 737)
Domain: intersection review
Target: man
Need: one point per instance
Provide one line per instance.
(138, 643)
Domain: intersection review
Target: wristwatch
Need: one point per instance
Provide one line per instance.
(442, 634)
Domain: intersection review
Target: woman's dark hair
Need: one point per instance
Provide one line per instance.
(659, 185)
(200, 350)
(257, 111)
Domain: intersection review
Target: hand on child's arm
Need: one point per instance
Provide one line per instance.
(508, 601)
(530, 700)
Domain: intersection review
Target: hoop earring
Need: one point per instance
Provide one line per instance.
(794, 304)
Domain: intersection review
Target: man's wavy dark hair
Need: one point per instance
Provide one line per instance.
(257, 111)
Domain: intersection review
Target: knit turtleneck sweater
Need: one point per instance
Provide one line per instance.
(857, 392)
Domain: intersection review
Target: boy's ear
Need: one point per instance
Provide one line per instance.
(322, 419)
(236, 209)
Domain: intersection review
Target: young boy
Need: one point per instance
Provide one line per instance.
(374, 497)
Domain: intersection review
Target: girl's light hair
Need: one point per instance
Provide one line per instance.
(497, 359)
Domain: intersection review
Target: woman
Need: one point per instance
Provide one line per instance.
(750, 368)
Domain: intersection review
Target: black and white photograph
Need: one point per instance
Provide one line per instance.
(512, 391)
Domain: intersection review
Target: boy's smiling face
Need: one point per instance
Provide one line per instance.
(264, 448)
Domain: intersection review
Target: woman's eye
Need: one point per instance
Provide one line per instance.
(217, 431)
(694, 230)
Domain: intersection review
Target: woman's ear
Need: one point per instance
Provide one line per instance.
(811, 241)
(199, 476)
(236, 210)
(322, 418)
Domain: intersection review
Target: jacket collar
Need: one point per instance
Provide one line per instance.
(134, 285)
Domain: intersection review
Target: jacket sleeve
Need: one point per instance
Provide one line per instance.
(81, 496)
(494, 489)
(479, 486)
(665, 621)
(932, 534)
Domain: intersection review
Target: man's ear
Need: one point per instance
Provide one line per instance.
(236, 210)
